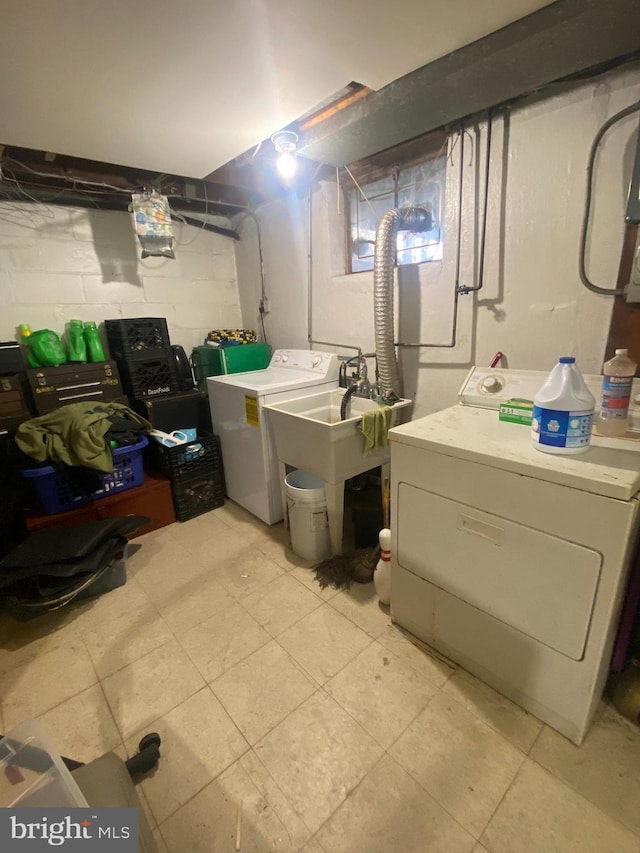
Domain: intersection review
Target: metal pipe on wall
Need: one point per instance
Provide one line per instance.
(464, 289)
(310, 338)
(251, 215)
(263, 295)
(456, 290)
(384, 264)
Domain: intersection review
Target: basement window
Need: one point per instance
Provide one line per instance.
(414, 184)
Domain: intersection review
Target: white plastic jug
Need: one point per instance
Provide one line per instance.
(563, 411)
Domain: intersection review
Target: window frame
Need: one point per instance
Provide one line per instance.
(386, 164)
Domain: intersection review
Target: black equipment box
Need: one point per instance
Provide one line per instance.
(14, 401)
(11, 360)
(180, 411)
(53, 387)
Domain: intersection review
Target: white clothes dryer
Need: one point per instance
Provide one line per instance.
(510, 561)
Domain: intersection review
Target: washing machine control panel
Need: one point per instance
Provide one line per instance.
(323, 364)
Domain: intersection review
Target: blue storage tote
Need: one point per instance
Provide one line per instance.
(57, 495)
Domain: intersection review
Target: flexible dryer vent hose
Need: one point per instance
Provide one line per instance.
(415, 219)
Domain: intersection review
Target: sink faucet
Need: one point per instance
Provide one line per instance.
(357, 384)
(358, 380)
(363, 387)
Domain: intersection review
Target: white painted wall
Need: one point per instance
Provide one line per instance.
(532, 307)
(60, 263)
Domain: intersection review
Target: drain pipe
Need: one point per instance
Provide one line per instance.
(398, 219)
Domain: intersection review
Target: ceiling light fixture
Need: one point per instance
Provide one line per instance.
(284, 141)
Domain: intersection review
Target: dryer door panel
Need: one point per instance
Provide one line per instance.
(535, 582)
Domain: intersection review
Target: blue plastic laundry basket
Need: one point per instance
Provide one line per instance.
(56, 494)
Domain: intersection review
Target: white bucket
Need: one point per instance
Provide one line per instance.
(308, 520)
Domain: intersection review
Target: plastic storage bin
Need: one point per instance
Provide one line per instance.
(32, 774)
(215, 361)
(57, 495)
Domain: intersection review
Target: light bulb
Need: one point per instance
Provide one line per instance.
(287, 164)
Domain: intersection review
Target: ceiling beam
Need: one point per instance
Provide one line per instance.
(335, 107)
(32, 168)
(564, 38)
(215, 229)
(114, 203)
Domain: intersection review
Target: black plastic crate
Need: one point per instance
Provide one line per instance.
(138, 337)
(186, 461)
(198, 495)
(150, 377)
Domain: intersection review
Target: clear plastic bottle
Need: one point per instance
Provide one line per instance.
(563, 411)
(617, 378)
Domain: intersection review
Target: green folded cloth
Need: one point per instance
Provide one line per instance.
(74, 434)
(374, 426)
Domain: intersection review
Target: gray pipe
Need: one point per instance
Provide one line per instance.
(398, 219)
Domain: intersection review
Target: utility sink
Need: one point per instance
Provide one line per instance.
(310, 435)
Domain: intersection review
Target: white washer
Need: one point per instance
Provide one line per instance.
(510, 561)
(248, 450)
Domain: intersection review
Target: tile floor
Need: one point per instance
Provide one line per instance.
(334, 731)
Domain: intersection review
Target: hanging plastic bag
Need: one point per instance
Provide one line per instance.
(152, 216)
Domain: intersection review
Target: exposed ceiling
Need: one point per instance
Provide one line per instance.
(183, 88)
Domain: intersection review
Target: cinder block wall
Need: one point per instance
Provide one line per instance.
(61, 263)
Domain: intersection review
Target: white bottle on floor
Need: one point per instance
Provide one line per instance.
(617, 377)
(382, 573)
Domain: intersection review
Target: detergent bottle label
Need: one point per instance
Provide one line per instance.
(616, 391)
(561, 429)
